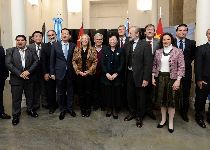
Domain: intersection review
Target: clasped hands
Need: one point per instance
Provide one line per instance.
(83, 74)
(175, 86)
(25, 74)
(111, 77)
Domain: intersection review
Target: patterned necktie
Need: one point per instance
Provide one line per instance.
(181, 44)
(121, 43)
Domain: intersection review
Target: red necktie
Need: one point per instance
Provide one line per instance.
(121, 43)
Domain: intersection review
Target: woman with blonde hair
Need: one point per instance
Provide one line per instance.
(84, 63)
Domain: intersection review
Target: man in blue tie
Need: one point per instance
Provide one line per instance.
(61, 70)
(188, 47)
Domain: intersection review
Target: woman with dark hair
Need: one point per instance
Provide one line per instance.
(112, 63)
(168, 69)
(84, 63)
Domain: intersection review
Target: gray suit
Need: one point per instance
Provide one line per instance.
(141, 70)
(18, 84)
(151, 93)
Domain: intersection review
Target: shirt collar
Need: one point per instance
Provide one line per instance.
(22, 49)
(149, 40)
(209, 42)
(135, 41)
(64, 43)
(178, 40)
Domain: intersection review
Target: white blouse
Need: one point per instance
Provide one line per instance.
(165, 59)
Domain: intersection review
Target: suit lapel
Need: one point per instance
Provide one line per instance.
(18, 57)
(26, 57)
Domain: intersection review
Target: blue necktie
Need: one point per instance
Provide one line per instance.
(181, 44)
(65, 50)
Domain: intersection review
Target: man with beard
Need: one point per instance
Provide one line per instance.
(49, 83)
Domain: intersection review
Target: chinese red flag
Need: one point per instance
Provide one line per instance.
(81, 32)
(159, 30)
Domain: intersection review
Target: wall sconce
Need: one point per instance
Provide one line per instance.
(144, 5)
(74, 6)
(34, 2)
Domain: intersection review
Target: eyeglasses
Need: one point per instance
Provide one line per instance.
(99, 39)
(50, 34)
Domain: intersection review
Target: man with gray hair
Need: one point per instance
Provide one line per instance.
(97, 92)
(139, 69)
(202, 78)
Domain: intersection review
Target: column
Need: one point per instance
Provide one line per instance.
(155, 14)
(18, 18)
(64, 14)
(202, 21)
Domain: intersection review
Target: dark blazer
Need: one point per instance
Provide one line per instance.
(3, 70)
(14, 64)
(45, 57)
(58, 64)
(106, 62)
(141, 61)
(189, 56)
(202, 62)
(38, 71)
(156, 45)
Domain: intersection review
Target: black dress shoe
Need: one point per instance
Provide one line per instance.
(201, 123)
(151, 115)
(129, 117)
(72, 113)
(51, 110)
(15, 120)
(170, 130)
(5, 116)
(185, 117)
(115, 116)
(32, 113)
(62, 115)
(88, 112)
(108, 114)
(139, 122)
(161, 126)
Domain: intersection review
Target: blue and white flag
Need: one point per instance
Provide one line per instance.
(58, 27)
(127, 27)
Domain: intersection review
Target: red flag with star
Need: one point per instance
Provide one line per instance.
(81, 32)
(159, 30)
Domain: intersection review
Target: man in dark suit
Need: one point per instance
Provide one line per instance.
(3, 75)
(139, 69)
(49, 83)
(61, 69)
(202, 77)
(122, 39)
(21, 62)
(154, 43)
(188, 47)
(39, 95)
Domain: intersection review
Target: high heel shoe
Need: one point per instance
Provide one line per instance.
(170, 130)
(161, 126)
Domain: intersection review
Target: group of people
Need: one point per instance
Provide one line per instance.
(130, 72)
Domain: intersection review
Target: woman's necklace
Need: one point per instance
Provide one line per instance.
(166, 54)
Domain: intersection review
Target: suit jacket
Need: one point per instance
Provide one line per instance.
(14, 64)
(189, 56)
(38, 72)
(45, 58)
(176, 63)
(141, 61)
(117, 62)
(59, 66)
(156, 45)
(91, 61)
(3, 70)
(126, 41)
(202, 62)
